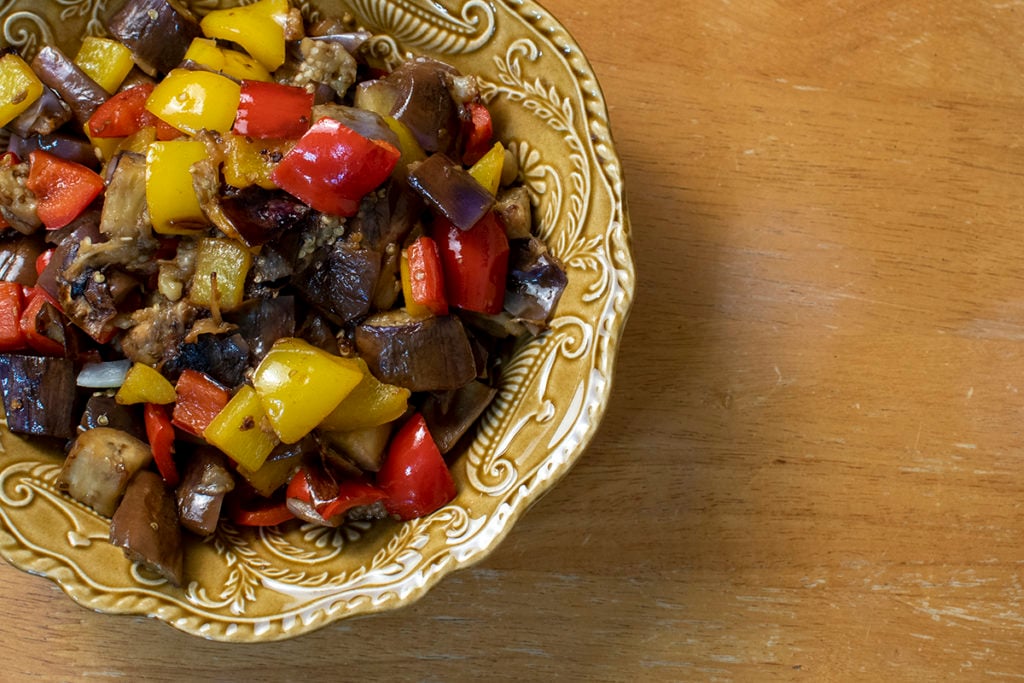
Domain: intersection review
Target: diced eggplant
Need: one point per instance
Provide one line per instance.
(157, 330)
(260, 216)
(99, 465)
(17, 204)
(424, 103)
(18, 254)
(146, 527)
(201, 492)
(341, 281)
(386, 217)
(125, 220)
(450, 190)
(101, 410)
(365, 447)
(58, 144)
(38, 395)
(225, 359)
(450, 415)
(515, 212)
(317, 331)
(56, 70)
(44, 116)
(321, 61)
(49, 322)
(420, 354)
(158, 32)
(536, 280)
(261, 322)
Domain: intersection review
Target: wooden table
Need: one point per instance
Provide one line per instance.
(811, 467)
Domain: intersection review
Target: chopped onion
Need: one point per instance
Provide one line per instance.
(106, 375)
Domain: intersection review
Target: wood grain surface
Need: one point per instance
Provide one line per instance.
(811, 467)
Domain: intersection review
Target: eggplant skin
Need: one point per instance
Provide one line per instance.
(420, 354)
(38, 394)
(341, 283)
(158, 32)
(146, 527)
(99, 465)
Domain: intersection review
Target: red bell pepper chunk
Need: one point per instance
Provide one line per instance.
(475, 263)
(426, 276)
(43, 260)
(273, 110)
(11, 306)
(160, 433)
(332, 167)
(267, 514)
(345, 495)
(200, 399)
(62, 188)
(125, 114)
(39, 311)
(477, 132)
(414, 475)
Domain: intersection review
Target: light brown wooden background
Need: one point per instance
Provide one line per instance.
(812, 466)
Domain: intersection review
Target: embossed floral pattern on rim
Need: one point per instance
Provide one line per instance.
(273, 584)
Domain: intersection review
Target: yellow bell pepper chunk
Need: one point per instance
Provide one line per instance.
(250, 162)
(105, 148)
(225, 261)
(241, 430)
(487, 170)
(19, 87)
(258, 28)
(173, 206)
(144, 384)
(370, 404)
(299, 385)
(407, 143)
(193, 100)
(232, 63)
(105, 61)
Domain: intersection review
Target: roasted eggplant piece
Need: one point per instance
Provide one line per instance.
(536, 280)
(424, 103)
(18, 256)
(261, 322)
(99, 465)
(58, 144)
(420, 354)
(17, 204)
(225, 359)
(158, 32)
(146, 526)
(44, 116)
(101, 410)
(201, 492)
(81, 93)
(451, 414)
(515, 212)
(365, 447)
(260, 216)
(341, 282)
(38, 394)
(450, 190)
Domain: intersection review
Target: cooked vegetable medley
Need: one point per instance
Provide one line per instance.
(248, 273)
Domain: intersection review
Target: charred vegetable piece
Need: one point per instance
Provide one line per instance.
(80, 92)
(146, 527)
(341, 282)
(44, 116)
(201, 493)
(158, 33)
(420, 354)
(451, 191)
(223, 358)
(414, 475)
(365, 447)
(261, 322)
(451, 414)
(99, 465)
(536, 280)
(38, 394)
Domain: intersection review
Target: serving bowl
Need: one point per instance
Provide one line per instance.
(268, 584)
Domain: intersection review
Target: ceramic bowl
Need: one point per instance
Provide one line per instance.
(277, 583)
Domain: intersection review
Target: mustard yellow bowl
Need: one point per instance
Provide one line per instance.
(271, 584)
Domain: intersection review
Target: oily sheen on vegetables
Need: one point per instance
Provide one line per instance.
(251, 276)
